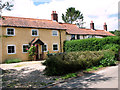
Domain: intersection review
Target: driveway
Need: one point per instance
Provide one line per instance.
(29, 64)
(24, 75)
(106, 78)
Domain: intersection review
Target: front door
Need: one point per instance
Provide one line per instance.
(37, 51)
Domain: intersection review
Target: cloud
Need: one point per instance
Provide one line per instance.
(99, 11)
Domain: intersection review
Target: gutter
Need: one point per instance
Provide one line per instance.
(33, 27)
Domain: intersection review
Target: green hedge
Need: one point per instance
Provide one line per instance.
(60, 64)
(90, 44)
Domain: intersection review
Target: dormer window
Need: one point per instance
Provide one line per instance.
(10, 31)
(34, 32)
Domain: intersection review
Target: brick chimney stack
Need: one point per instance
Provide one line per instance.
(54, 16)
(105, 26)
(92, 25)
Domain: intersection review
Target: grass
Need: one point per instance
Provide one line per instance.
(19, 65)
(70, 75)
(93, 68)
(8, 61)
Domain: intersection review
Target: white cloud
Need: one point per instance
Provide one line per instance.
(101, 9)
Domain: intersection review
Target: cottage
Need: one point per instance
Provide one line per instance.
(16, 33)
(73, 32)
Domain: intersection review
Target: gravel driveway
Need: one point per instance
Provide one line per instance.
(24, 75)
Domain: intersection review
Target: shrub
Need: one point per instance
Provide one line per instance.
(108, 62)
(108, 59)
(113, 47)
(70, 62)
(90, 44)
(32, 52)
(13, 61)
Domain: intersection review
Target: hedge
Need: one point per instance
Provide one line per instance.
(90, 44)
(70, 62)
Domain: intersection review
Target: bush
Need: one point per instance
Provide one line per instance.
(13, 61)
(90, 44)
(70, 62)
(108, 59)
(113, 47)
(108, 62)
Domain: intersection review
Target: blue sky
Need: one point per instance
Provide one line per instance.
(38, 2)
(99, 11)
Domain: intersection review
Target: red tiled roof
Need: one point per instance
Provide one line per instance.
(73, 29)
(30, 22)
(49, 24)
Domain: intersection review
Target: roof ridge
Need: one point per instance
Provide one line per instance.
(68, 23)
(25, 18)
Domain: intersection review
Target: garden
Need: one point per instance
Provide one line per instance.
(83, 55)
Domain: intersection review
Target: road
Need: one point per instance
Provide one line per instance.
(106, 78)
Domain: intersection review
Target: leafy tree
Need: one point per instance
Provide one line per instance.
(6, 6)
(72, 15)
(116, 32)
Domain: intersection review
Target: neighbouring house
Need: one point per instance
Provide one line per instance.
(73, 32)
(16, 33)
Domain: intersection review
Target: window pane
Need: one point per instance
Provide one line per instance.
(44, 48)
(54, 33)
(72, 37)
(55, 47)
(11, 49)
(24, 48)
(78, 36)
(34, 32)
(10, 31)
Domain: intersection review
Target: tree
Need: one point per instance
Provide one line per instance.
(116, 32)
(72, 15)
(6, 6)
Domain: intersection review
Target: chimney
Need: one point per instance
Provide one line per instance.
(92, 25)
(105, 26)
(54, 16)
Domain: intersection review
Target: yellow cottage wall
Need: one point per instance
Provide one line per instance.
(24, 36)
(0, 44)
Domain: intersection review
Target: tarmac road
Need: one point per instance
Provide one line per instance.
(106, 78)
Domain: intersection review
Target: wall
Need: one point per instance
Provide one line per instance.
(23, 36)
(68, 37)
(0, 44)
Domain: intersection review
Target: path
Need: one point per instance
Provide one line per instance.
(106, 78)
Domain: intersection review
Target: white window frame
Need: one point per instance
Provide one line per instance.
(14, 48)
(7, 31)
(22, 48)
(53, 31)
(37, 32)
(47, 48)
(57, 46)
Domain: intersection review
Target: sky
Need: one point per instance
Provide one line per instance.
(98, 11)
